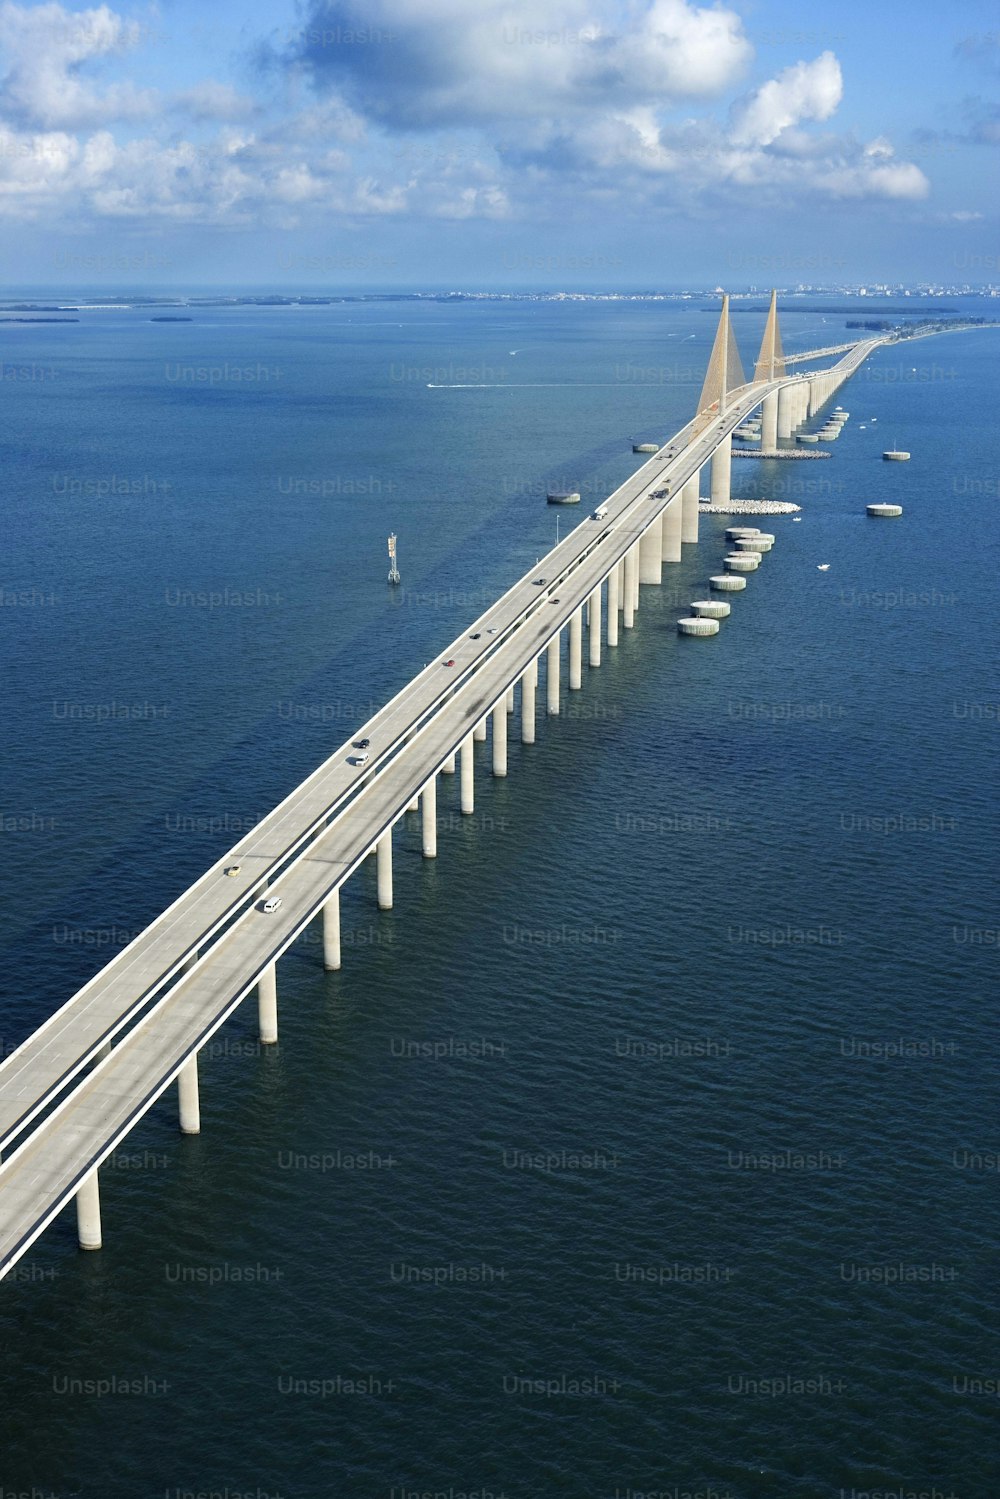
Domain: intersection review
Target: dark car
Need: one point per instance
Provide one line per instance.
(477, 636)
(360, 743)
(449, 663)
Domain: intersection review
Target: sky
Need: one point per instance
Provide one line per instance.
(488, 144)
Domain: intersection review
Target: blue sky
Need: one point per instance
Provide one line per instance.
(487, 143)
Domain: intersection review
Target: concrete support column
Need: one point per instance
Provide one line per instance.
(803, 406)
(651, 553)
(594, 626)
(188, 1101)
(631, 587)
(479, 732)
(673, 522)
(88, 1212)
(468, 776)
(722, 462)
(267, 1005)
(786, 408)
(331, 931)
(552, 675)
(383, 870)
(500, 739)
(689, 509)
(448, 768)
(621, 583)
(613, 594)
(576, 650)
(428, 819)
(769, 422)
(510, 699)
(814, 398)
(414, 806)
(529, 683)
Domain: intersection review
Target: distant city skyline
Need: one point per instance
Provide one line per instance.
(575, 144)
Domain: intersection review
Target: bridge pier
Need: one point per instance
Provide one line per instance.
(479, 732)
(448, 768)
(383, 870)
(500, 739)
(785, 412)
(331, 931)
(803, 404)
(689, 508)
(467, 756)
(267, 1005)
(428, 819)
(722, 460)
(651, 553)
(414, 806)
(631, 586)
(594, 626)
(576, 650)
(613, 590)
(769, 422)
(552, 675)
(815, 399)
(188, 1100)
(88, 1212)
(673, 528)
(529, 683)
(509, 699)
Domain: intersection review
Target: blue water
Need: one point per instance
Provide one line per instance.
(729, 868)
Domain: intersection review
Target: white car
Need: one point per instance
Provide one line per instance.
(361, 759)
(271, 904)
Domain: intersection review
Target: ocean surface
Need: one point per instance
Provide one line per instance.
(649, 1144)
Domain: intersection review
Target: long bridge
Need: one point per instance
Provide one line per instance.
(71, 1093)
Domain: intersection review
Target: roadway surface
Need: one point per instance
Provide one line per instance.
(305, 849)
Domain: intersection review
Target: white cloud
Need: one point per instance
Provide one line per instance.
(896, 180)
(806, 91)
(46, 47)
(448, 63)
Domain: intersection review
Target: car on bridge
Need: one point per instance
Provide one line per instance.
(360, 743)
(271, 904)
(361, 759)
